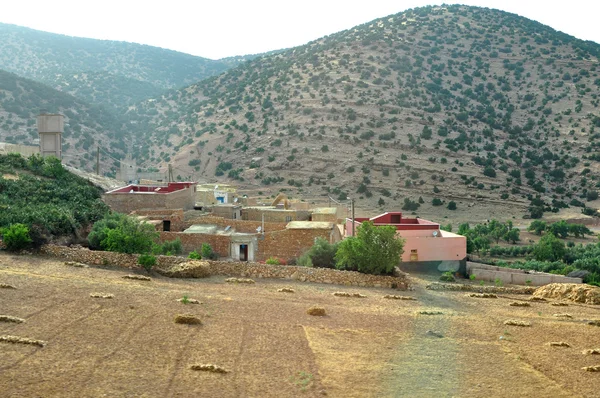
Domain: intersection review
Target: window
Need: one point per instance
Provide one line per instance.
(288, 218)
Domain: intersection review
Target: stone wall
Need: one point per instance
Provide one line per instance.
(125, 202)
(174, 216)
(221, 244)
(274, 215)
(238, 225)
(289, 243)
(239, 269)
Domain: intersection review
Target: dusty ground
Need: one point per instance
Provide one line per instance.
(365, 347)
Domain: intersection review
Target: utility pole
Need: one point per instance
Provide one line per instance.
(98, 160)
(352, 207)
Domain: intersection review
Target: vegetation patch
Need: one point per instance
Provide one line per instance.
(188, 319)
(138, 277)
(316, 311)
(559, 344)
(346, 294)
(21, 340)
(76, 264)
(595, 322)
(286, 290)
(240, 280)
(482, 295)
(209, 368)
(9, 318)
(430, 313)
(447, 277)
(519, 304)
(189, 269)
(102, 295)
(512, 322)
(187, 300)
(396, 297)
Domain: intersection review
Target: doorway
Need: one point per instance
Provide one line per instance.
(243, 252)
(166, 225)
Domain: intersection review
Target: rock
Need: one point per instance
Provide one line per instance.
(578, 274)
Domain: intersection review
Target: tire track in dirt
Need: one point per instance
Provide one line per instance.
(177, 365)
(240, 391)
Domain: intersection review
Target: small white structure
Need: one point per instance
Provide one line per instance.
(50, 129)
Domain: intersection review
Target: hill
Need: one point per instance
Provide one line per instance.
(436, 104)
(86, 126)
(104, 72)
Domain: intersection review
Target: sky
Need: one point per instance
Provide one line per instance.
(221, 28)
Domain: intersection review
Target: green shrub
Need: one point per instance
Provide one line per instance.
(16, 237)
(147, 261)
(273, 261)
(207, 252)
(194, 255)
(123, 234)
(447, 277)
(452, 205)
(321, 254)
(170, 248)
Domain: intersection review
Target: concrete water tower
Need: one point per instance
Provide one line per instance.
(51, 128)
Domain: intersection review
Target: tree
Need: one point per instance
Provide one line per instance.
(512, 235)
(452, 205)
(549, 248)
(321, 254)
(207, 252)
(537, 226)
(559, 229)
(123, 234)
(374, 250)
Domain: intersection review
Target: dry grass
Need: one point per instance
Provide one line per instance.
(559, 344)
(240, 280)
(209, 368)
(102, 295)
(430, 313)
(6, 286)
(396, 297)
(579, 293)
(189, 301)
(482, 295)
(595, 368)
(316, 311)
(286, 290)
(519, 304)
(512, 322)
(559, 304)
(21, 340)
(563, 316)
(189, 269)
(595, 322)
(138, 277)
(9, 318)
(539, 299)
(595, 351)
(346, 294)
(188, 319)
(76, 264)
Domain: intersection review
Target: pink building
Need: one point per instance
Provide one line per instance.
(424, 243)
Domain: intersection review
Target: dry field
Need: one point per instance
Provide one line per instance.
(264, 344)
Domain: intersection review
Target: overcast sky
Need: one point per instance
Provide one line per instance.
(220, 28)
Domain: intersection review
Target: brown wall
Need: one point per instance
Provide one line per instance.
(128, 202)
(238, 225)
(175, 216)
(190, 242)
(288, 244)
(274, 215)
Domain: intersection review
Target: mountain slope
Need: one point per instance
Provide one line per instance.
(60, 61)
(21, 100)
(455, 103)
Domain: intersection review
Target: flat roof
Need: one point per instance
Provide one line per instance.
(324, 210)
(309, 225)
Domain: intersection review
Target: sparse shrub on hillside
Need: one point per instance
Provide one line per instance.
(452, 205)
(16, 237)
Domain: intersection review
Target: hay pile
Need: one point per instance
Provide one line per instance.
(595, 368)
(482, 295)
(6, 286)
(346, 294)
(559, 304)
(209, 368)
(519, 304)
(286, 290)
(595, 351)
(395, 297)
(189, 269)
(21, 340)
(559, 344)
(138, 277)
(102, 295)
(595, 322)
(76, 264)
(512, 322)
(431, 313)
(316, 311)
(239, 280)
(540, 299)
(9, 318)
(563, 316)
(186, 300)
(188, 319)
(578, 293)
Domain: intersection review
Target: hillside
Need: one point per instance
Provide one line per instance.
(86, 126)
(109, 73)
(474, 105)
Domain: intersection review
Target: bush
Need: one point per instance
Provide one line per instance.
(447, 277)
(16, 237)
(452, 205)
(194, 255)
(321, 254)
(273, 261)
(123, 234)
(147, 261)
(208, 253)
(169, 248)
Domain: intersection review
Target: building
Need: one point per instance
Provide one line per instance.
(426, 245)
(174, 195)
(274, 214)
(212, 194)
(50, 129)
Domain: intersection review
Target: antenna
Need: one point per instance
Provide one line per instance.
(259, 229)
(435, 233)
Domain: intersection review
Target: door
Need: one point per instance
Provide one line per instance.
(243, 252)
(166, 225)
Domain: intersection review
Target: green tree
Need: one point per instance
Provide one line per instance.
(549, 248)
(123, 234)
(452, 205)
(512, 235)
(321, 254)
(374, 250)
(559, 229)
(16, 237)
(537, 226)
(207, 252)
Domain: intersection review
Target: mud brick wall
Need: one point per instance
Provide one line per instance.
(238, 225)
(175, 216)
(274, 215)
(221, 244)
(289, 243)
(128, 202)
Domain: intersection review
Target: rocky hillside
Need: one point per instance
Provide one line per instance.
(86, 126)
(487, 109)
(104, 72)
